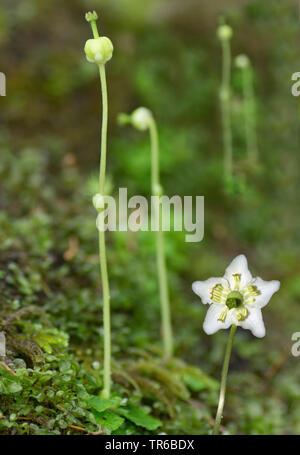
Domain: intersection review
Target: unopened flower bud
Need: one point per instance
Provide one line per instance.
(141, 118)
(98, 202)
(242, 61)
(99, 50)
(224, 32)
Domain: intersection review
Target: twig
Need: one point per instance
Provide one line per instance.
(100, 431)
(8, 368)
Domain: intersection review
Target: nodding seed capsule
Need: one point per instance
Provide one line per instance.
(99, 50)
(141, 118)
(98, 202)
(242, 61)
(157, 190)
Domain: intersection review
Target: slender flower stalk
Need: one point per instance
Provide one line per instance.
(224, 34)
(99, 50)
(243, 63)
(160, 248)
(224, 380)
(143, 119)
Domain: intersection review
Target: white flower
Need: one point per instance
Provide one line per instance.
(237, 298)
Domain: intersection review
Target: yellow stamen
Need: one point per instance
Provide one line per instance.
(237, 280)
(223, 316)
(252, 290)
(218, 294)
(241, 314)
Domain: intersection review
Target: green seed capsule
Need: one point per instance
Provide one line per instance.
(99, 50)
(242, 61)
(99, 202)
(157, 190)
(224, 32)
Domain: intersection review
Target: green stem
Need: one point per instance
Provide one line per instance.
(102, 245)
(155, 181)
(225, 108)
(224, 380)
(249, 113)
(160, 248)
(102, 169)
(94, 29)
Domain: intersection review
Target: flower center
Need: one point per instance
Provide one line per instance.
(234, 300)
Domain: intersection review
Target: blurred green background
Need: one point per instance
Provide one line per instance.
(166, 57)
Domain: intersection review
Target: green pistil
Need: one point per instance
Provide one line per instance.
(234, 300)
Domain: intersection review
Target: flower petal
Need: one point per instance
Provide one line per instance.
(267, 289)
(254, 322)
(203, 288)
(238, 266)
(211, 324)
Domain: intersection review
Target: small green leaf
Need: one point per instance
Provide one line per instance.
(140, 418)
(108, 420)
(14, 387)
(100, 404)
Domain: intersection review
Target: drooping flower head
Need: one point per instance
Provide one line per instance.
(242, 61)
(237, 298)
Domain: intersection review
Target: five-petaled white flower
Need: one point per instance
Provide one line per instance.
(237, 298)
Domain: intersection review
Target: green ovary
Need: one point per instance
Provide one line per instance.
(235, 300)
